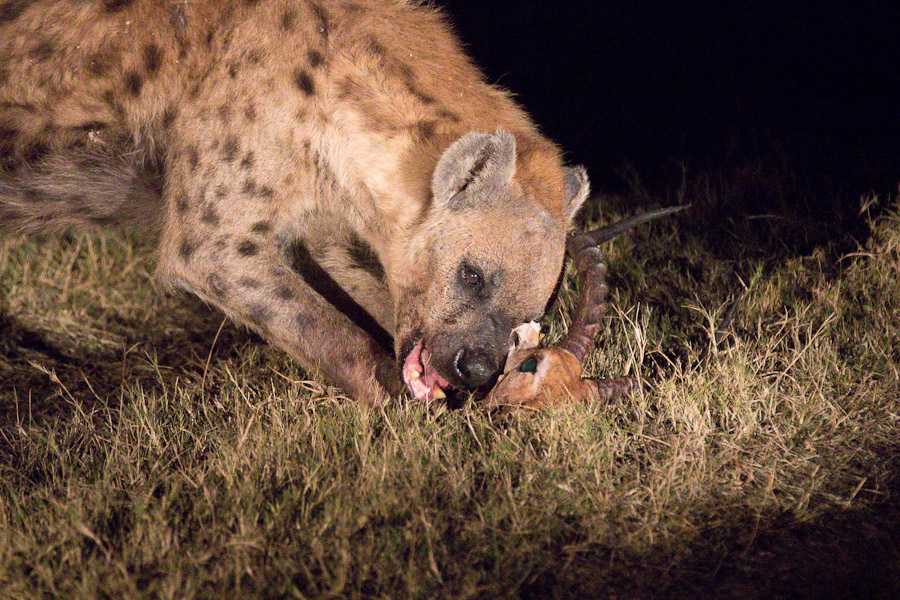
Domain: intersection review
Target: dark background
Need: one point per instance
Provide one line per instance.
(655, 84)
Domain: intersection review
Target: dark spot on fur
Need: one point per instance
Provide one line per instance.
(347, 88)
(353, 7)
(230, 149)
(365, 258)
(193, 158)
(101, 62)
(153, 55)
(316, 58)
(251, 188)
(399, 69)
(249, 282)
(288, 19)
(133, 83)
(33, 195)
(8, 133)
(186, 249)
(217, 285)
(225, 113)
(35, 153)
(261, 227)
(221, 191)
(323, 18)
(233, 70)
(209, 38)
(286, 292)
(181, 203)
(250, 112)
(304, 82)
(248, 248)
(115, 6)
(377, 48)
(4, 75)
(210, 216)
(10, 11)
(423, 97)
(43, 50)
(448, 115)
(426, 129)
(169, 117)
(247, 161)
(254, 57)
(194, 93)
(259, 314)
(113, 102)
(103, 220)
(183, 47)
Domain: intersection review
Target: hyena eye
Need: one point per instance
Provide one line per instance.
(471, 276)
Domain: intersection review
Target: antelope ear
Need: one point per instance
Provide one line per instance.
(578, 188)
(472, 167)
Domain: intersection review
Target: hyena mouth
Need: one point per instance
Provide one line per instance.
(421, 378)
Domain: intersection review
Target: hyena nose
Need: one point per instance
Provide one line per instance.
(474, 366)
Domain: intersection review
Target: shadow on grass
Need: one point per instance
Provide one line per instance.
(40, 377)
(841, 555)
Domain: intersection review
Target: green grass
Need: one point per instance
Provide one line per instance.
(150, 449)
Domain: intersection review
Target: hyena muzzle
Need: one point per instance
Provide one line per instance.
(320, 170)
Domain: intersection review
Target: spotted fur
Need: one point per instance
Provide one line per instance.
(320, 170)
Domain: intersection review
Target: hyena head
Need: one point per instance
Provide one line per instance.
(486, 258)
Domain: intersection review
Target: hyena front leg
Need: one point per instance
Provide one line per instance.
(229, 254)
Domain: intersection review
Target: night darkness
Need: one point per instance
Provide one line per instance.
(655, 84)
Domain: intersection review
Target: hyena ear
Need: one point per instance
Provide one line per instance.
(578, 188)
(476, 161)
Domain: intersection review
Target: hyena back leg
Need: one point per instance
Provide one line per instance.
(238, 266)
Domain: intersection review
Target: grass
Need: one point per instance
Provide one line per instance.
(148, 448)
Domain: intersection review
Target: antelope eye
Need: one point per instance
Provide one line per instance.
(529, 366)
(471, 276)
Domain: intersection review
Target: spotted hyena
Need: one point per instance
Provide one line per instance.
(331, 173)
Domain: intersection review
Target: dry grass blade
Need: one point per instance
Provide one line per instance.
(198, 463)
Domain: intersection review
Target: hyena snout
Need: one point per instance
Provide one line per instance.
(474, 367)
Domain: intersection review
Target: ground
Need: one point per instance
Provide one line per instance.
(152, 449)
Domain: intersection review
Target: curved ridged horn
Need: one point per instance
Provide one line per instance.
(584, 248)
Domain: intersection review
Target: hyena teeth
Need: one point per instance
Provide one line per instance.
(438, 394)
(414, 374)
